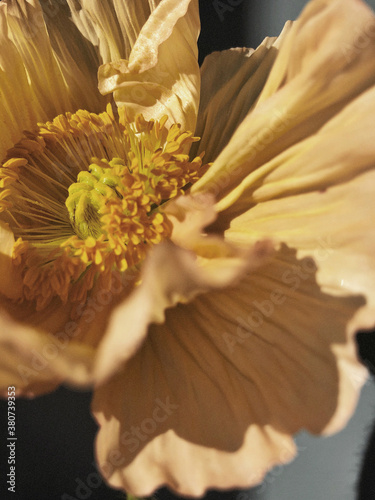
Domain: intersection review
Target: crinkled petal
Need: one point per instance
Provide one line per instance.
(213, 396)
(171, 275)
(189, 216)
(69, 333)
(231, 83)
(161, 76)
(28, 32)
(36, 362)
(343, 148)
(39, 75)
(78, 56)
(334, 227)
(111, 25)
(314, 77)
(19, 108)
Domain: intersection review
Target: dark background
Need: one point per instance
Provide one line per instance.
(56, 432)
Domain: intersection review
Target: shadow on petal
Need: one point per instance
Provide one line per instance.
(214, 395)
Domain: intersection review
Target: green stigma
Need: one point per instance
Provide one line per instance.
(88, 197)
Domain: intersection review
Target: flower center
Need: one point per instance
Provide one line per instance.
(84, 198)
(88, 198)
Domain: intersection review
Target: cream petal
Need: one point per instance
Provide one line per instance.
(92, 316)
(162, 73)
(113, 25)
(84, 321)
(333, 226)
(231, 83)
(19, 108)
(36, 82)
(28, 32)
(171, 275)
(226, 381)
(314, 76)
(77, 55)
(36, 362)
(342, 148)
(189, 217)
(63, 335)
(330, 36)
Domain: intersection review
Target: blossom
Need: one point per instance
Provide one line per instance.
(208, 289)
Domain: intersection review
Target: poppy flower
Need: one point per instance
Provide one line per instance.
(196, 244)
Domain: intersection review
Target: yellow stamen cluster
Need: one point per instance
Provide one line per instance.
(84, 198)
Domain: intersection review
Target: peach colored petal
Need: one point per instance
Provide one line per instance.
(190, 215)
(77, 54)
(38, 77)
(333, 226)
(344, 147)
(36, 362)
(161, 76)
(231, 83)
(218, 351)
(213, 396)
(93, 315)
(85, 321)
(111, 25)
(19, 108)
(28, 32)
(40, 350)
(341, 149)
(171, 275)
(313, 78)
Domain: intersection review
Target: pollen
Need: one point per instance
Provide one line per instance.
(84, 196)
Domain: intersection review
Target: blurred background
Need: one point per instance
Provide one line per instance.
(56, 432)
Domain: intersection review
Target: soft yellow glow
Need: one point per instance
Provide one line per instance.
(83, 196)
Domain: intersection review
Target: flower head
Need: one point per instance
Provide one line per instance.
(195, 243)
